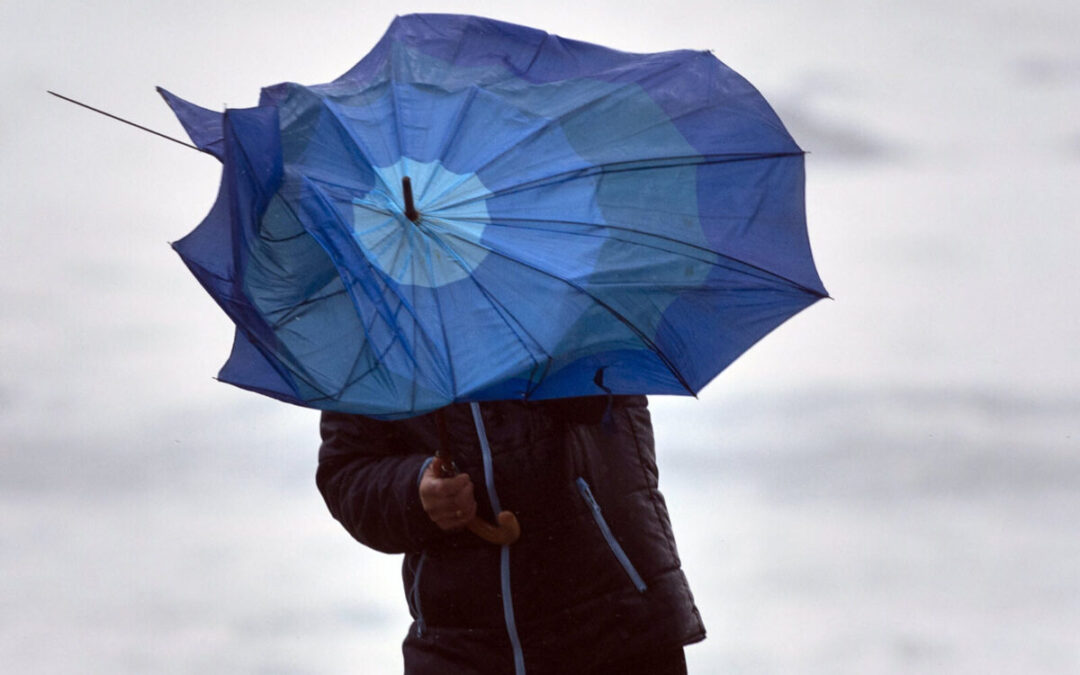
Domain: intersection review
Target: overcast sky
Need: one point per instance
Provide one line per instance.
(942, 201)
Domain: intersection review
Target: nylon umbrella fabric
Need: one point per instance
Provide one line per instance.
(591, 221)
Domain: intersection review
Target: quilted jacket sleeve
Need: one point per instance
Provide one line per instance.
(370, 483)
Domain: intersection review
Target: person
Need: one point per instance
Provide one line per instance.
(593, 585)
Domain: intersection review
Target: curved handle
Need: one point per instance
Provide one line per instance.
(506, 532)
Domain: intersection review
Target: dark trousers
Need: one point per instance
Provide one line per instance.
(669, 662)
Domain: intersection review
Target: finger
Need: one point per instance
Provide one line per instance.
(458, 514)
(435, 499)
(452, 521)
(450, 487)
(464, 500)
(460, 482)
(444, 510)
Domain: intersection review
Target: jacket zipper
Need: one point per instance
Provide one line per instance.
(613, 544)
(504, 553)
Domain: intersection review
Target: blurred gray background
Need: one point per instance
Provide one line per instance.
(890, 483)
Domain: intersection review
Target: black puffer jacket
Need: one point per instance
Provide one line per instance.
(595, 576)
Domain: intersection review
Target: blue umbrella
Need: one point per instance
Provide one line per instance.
(479, 210)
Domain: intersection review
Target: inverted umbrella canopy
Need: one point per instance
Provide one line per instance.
(582, 221)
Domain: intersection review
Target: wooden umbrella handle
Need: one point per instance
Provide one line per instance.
(506, 531)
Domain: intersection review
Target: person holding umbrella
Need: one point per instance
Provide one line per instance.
(593, 584)
(477, 251)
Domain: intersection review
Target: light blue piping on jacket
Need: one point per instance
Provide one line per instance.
(415, 593)
(504, 554)
(620, 554)
(423, 468)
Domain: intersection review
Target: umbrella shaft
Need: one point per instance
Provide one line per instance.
(410, 209)
(121, 119)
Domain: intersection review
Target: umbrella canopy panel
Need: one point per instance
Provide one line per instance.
(581, 210)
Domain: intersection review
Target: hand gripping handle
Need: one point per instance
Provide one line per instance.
(506, 531)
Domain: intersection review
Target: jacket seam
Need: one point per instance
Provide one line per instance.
(668, 535)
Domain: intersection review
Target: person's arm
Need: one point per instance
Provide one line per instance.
(371, 483)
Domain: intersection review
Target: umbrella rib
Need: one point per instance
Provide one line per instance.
(378, 358)
(416, 322)
(356, 377)
(367, 328)
(387, 313)
(536, 53)
(590, 124)
(310, 381)
(611, 310)
(561, 117)
(764, 273)
(502, 222)
(601, 169)
(464, 108)
(313, 297)
(518, 330)
(376, 361)
(364, 152)
(441, 319)
(424, 198)
(772, 122)
(397, 111)
(281, 240)
(292, 310)
(502, 312)
(412, 234)
(225, 301)
(547, 123)
(586, 171)
(398, 132)
(247, 161)
(505, 222)
(506, 316)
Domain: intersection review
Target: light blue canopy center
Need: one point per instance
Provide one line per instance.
(445, 245)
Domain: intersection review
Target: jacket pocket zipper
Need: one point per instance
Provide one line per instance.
(616, 549)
